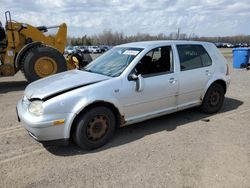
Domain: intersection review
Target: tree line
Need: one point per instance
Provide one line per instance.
(108, 37)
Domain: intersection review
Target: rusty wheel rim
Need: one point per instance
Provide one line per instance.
(214, 98)
(97, 128)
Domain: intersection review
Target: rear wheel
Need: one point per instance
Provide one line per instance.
(94, 128)
(213, 99)
(43, 61)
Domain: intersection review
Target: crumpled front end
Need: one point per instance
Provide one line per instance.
(46, 127)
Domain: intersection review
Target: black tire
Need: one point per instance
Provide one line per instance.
(214, 98)
(34, 55)
(94, 128)
(87, 58)
(79, 59)
(82, 58)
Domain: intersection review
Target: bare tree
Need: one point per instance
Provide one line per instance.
(107, 37)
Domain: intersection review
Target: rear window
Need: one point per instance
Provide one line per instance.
(193, 56)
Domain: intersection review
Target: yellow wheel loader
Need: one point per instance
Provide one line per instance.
(27, 48)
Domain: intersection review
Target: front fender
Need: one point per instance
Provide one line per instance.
(85, 102)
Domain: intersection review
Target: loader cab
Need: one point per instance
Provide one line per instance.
(2, 36)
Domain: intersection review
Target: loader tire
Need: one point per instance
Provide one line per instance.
(87, 58)
(79, 59)
(42, 61)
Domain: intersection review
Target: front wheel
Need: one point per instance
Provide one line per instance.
(94, 128)
(213, 99)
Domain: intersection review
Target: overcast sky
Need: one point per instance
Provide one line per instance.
(202, 17)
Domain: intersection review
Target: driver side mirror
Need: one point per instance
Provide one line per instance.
(132, 77)
(139, 81)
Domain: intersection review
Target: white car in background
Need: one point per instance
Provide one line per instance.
(94, 49)
(129, 83)
(69, 50)
(83, 49)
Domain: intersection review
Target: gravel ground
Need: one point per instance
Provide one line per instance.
(184, 149)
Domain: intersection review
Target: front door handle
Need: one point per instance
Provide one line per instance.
(172, 80)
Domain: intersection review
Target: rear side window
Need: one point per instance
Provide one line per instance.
(193, 56)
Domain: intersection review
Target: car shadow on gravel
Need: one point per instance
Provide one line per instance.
(6, 87)
(136, 131)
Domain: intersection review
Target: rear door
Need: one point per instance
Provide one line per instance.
(195, 71)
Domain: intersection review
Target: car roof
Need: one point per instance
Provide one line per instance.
(148, 44)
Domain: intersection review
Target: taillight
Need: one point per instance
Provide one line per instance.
(227, 73)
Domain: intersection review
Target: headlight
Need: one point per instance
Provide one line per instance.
(36, 108)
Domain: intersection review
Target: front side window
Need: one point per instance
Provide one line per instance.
(114, 61)
(193, 56)
(158, 60)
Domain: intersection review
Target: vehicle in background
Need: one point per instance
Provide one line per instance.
(219, 44)
(104, 48)
(31, 50)
(230, 45)
(69, 50)
(76, 48)
(94, 49)
(128, 84)
(241, 45)
(84, 49)
(223, 45)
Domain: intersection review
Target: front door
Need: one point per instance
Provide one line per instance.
(160, 86)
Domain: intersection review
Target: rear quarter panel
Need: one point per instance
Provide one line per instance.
(219, 66)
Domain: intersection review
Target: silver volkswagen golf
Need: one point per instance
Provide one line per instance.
(130, 83)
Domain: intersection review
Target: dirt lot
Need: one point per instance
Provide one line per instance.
(185, 149)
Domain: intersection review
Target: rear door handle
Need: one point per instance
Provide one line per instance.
(208, 73)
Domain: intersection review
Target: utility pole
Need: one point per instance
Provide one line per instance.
(191, 33)
(178, 33)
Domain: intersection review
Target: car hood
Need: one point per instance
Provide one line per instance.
(60, 83)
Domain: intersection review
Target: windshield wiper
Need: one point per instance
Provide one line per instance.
(87, 70)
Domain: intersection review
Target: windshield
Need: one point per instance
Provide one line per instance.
(113, 62)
